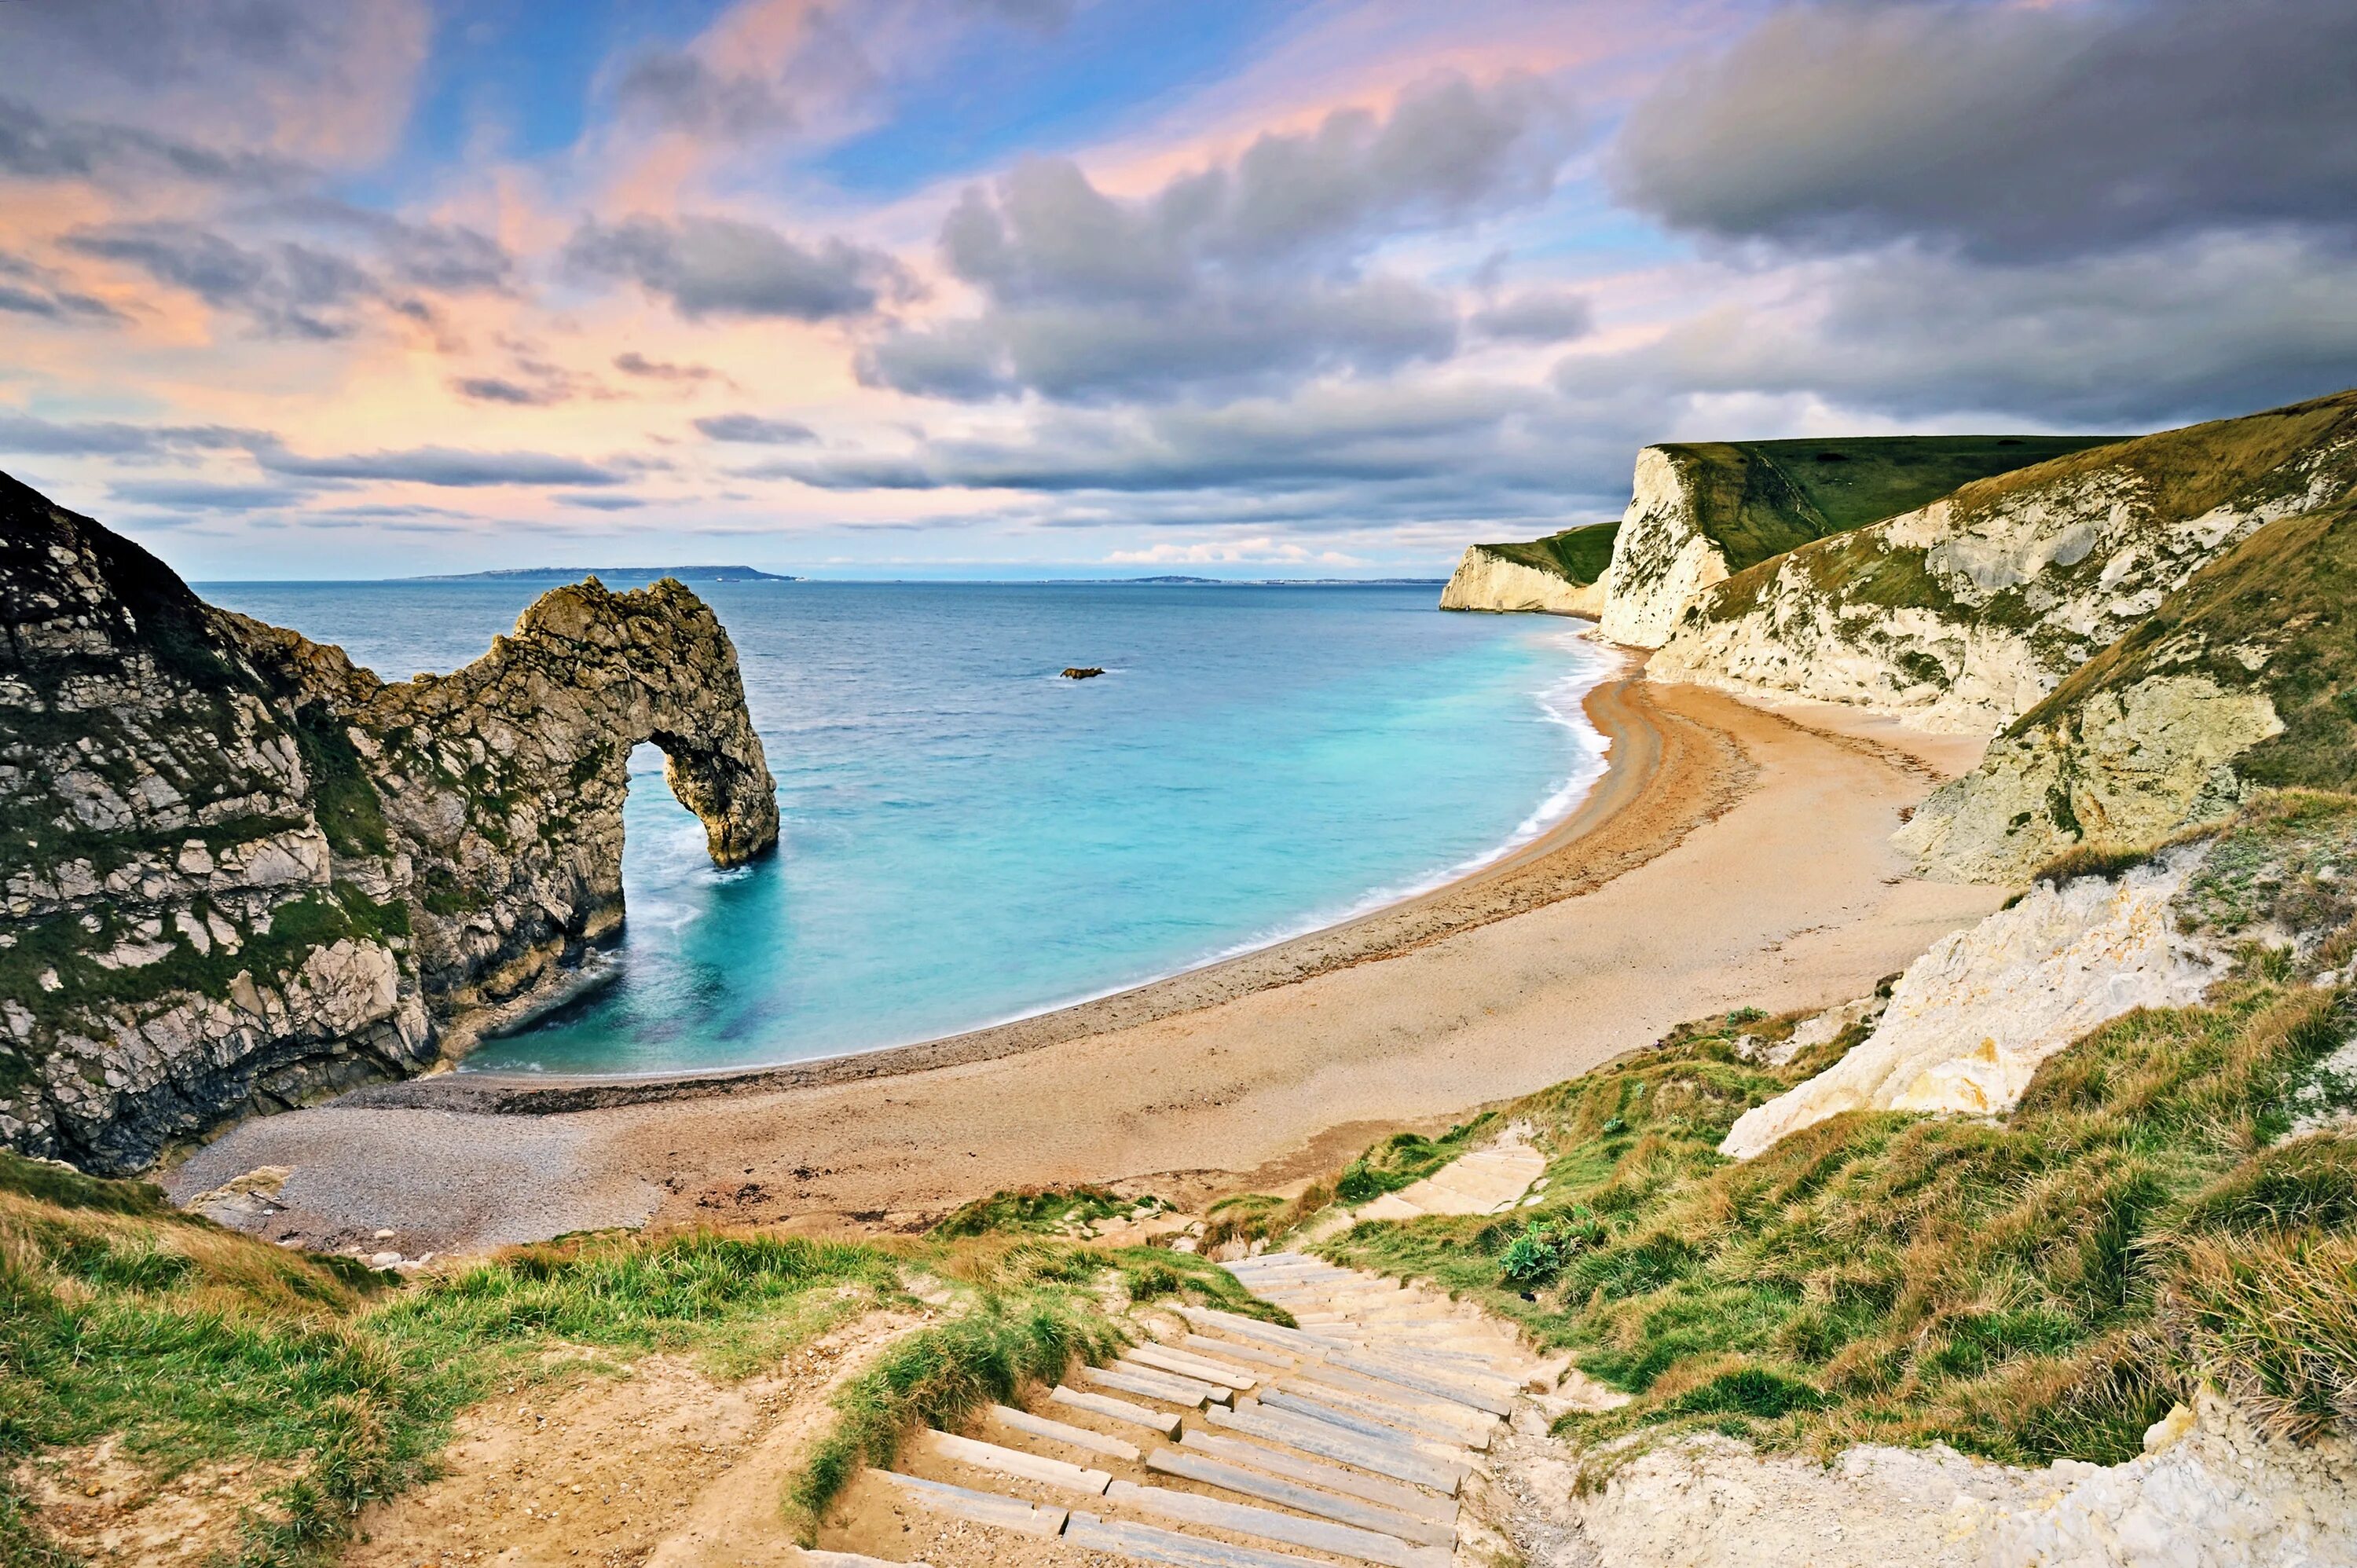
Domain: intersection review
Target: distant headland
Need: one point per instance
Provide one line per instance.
(557, 575)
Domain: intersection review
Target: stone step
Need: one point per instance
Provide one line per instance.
(1150, 1384)
(813, 1558)
(1157, 1421)
(1319, 1376)
(1297, 1467)
(1164, 1359)
(1017, 1462)
(1226, 1350)
(1210, 1472)
(1372, 1431)
(1327, 1441)
(1148, 1543)
(1030, 1426)
(980, 1508)
(1254, 1328)
(1491, 1394)
(1267, 1524)
(1426, 1423)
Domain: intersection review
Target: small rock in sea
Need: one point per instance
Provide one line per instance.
(1082, 672)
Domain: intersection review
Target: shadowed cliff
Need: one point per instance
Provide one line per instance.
(240, 873)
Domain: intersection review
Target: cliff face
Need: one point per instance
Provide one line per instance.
(240, 873)
(2235, 680)
(1966, 613)
(1486, 580)
(1703, 511)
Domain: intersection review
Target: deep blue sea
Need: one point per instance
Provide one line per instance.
(969, 838)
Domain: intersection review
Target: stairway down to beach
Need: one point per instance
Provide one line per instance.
(1242, 1444)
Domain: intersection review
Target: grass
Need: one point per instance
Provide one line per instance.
(1578, 554)
(1403, 1159)
(192, 1345)
(1759, 499)
(2041, 1288)
(2282, 595)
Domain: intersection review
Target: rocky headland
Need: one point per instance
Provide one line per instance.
(240, 873)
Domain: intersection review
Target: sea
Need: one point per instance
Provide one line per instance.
(970, 838)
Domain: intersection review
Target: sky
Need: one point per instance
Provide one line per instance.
(1014, 288)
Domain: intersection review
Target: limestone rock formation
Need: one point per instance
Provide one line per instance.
(2234, 682)
(1971, 1020)
(1562, 574)
(1486, 580)
(2209, 1492)
(1964, 614)
(240, 873)
(1663, 557)
(1703, 511)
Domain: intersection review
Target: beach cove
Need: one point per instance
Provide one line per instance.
(1730, 856)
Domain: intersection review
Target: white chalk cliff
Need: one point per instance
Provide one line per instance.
(1485, 580)
(1661, 557)
(1969, 1022)
(1961, 615)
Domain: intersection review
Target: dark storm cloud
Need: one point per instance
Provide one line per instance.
(722, 266)
(754, 430)
(2011, 131)
(1241, 274)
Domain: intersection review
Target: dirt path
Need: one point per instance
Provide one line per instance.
(1735, 858)
(662, 1467)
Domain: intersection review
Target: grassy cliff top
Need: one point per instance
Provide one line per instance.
(1759, 498)
(1580, 554)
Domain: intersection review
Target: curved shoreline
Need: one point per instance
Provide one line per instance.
(1646, 749)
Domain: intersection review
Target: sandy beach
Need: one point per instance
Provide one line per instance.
(1730, 856)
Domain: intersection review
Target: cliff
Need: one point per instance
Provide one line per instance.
(1560, 574)
(1966, 613)
(1702, 511)
(240, 873)
(2236, 681)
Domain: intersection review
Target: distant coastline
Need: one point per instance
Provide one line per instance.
(560, 575)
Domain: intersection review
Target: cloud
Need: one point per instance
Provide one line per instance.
(445, 465)
(1263, 548)
(723, 267)
(677, 91)
(2011, 131)
(312, 286)
(634, 363)
(495, 389)
(200, 495)
(111, 438)
(2200, 328)
(604, 504)
(1537, 316)
(1237, 276)
(1319, 436)
(28, 288)
(236, 81)
(37, 147)
(754, 430)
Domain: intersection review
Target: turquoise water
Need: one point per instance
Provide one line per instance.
(969, 838)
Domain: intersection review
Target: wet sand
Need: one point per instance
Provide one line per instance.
(1730, 856)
